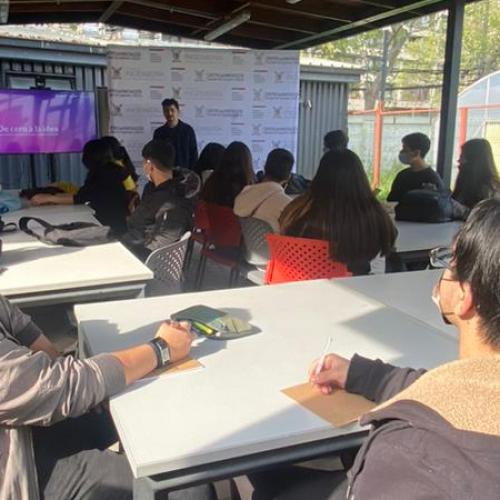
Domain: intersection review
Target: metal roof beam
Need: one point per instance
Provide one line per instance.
(110, 10)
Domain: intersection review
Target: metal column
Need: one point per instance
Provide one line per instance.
(451, 80)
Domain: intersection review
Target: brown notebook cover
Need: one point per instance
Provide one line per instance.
(339, 408)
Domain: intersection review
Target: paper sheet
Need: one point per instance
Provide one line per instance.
(339, 408)
(181, 366)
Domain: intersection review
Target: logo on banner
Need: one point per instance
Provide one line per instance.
(276, 144)
(257, 94)
(116, 109)
(176, 55)
(198, 111)
(278, 76)
(256, 128)
(116, 73)
(259, 58)
(176, 93)
(277, 112)
(199, 74)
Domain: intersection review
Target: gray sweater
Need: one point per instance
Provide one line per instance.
(36, 391)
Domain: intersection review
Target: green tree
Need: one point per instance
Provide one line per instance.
(416, 54)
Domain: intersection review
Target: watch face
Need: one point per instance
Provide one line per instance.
(165, 354)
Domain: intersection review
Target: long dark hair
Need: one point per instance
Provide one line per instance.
(210, 157)
(96, 154)
(478, 177)
(120, 153)
(234, 172)
(339, 206)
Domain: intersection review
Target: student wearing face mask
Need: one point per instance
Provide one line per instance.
(419, 174)
(165, 211)
(435, 434)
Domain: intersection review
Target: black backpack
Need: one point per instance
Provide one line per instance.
(73, 234)
(425, 205)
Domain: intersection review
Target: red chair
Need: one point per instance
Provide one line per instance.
(198, 232)
(223, 241)
(300, 259)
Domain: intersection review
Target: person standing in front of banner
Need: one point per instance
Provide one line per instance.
(180, 134)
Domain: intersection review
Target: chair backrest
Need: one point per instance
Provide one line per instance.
(300, 259)
(224, 229)
(167, 262)
(200, 221)
(255, 247)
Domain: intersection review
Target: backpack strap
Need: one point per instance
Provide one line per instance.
(23, 226)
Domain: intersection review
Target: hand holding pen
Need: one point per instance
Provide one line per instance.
(329, 371)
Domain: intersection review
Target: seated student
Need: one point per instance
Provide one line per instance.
(52, 445)
(234, 172)
(477, 177)
(419, 175)
(103, 189)
(165, 211)
(210, 157)
(340, 207)
(267, 199)
(122, 158)
(437, 433)
(335, 140)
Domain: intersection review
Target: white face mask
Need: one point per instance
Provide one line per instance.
(436, 298)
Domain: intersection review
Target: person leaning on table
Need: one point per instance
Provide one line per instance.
(436, 434)
(52, 446)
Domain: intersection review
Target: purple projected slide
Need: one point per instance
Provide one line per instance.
(46, 121)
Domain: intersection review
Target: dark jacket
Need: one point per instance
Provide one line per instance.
(163, 215)
(408, 180)
(437, 439)
(183, 139)
(104, 191)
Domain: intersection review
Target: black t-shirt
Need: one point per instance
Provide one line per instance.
(104, 192)
(409, 179)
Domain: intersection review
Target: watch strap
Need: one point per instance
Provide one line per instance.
(161, 350)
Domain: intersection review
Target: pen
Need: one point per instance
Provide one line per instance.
(321, 361)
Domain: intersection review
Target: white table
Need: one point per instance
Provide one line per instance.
(416, 239)
(409, 293)
(39, 274)
(422, 236)
(231, 417)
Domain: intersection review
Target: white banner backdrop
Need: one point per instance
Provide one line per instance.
(225, 95)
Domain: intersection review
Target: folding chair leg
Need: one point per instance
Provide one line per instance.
(200, 273)
(188, 257)
(233, 276)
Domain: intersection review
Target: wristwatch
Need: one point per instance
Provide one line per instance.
(161, 350)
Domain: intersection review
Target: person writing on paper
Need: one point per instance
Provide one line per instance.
(53, 441)
(436, 434)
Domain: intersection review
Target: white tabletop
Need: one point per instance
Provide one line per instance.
(421, 236)
(234, 407)
(409, 293)
(33, 267)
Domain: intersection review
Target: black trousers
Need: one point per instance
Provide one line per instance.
(73, 463)
(296, 483)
